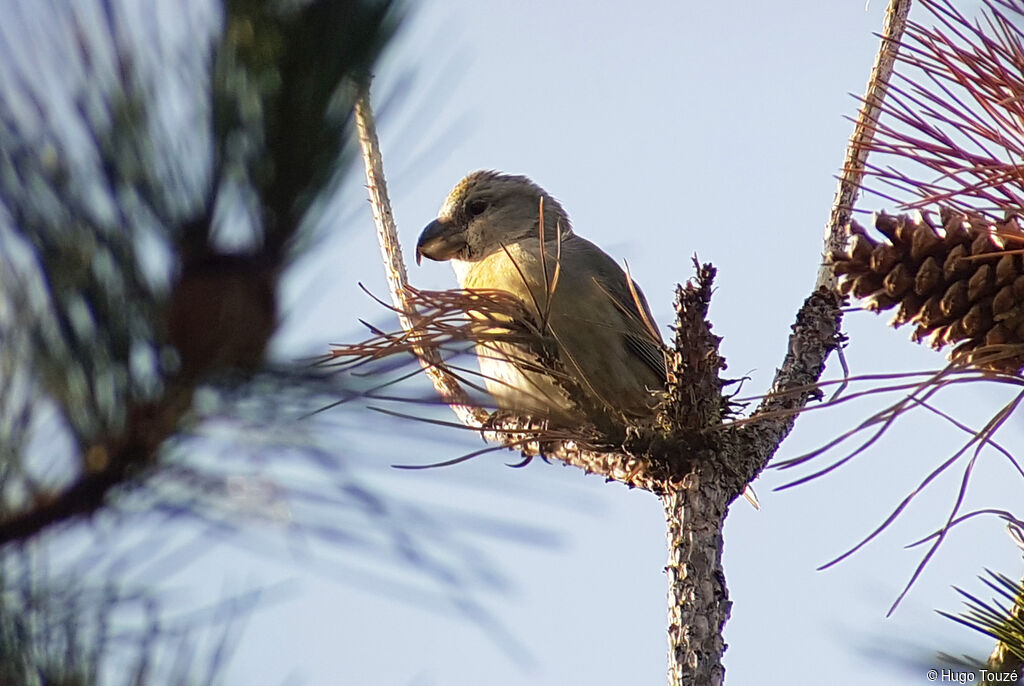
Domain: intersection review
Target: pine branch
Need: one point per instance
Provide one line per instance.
(1002, 619)
(862, 141)
(695, 462)
(951, 136)
(278, 115)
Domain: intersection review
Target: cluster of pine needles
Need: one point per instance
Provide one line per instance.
(446, 323)
(448, 326)
(949, 152)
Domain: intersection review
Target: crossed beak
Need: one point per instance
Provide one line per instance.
(440, 241)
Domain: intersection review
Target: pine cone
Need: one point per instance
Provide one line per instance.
(221, 314)
(960, 284)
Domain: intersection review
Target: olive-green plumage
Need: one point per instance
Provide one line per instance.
(490, 230)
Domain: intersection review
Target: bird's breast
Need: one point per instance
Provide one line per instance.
(515, 269)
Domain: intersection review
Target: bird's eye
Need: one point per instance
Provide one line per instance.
(476, 207)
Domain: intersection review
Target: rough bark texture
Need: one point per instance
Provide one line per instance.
(721, 460)
(815, 333)
(860, 143)
(394, 266)
(698, 601)
(693, 457)
(695, 501)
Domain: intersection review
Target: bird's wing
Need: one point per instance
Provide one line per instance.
(601, 326)
(581, 259)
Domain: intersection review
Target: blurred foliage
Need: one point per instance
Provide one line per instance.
(159, 170)
(999, 618)
(56, 630)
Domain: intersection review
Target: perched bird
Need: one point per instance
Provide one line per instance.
(489, 228)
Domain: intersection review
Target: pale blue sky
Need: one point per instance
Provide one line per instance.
(665, 130)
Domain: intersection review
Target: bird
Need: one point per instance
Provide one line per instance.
(607, 346)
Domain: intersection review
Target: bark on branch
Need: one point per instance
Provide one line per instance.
(694, 459)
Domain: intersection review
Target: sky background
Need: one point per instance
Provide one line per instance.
(672, 129)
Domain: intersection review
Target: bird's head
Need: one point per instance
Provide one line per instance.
(487, 210)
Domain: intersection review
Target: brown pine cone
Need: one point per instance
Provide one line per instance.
(960, 284)
(221, 314)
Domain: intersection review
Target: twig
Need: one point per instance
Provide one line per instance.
(702, 465)
(698, 597)
(863, 135)
(809, 345)
(387, 235)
